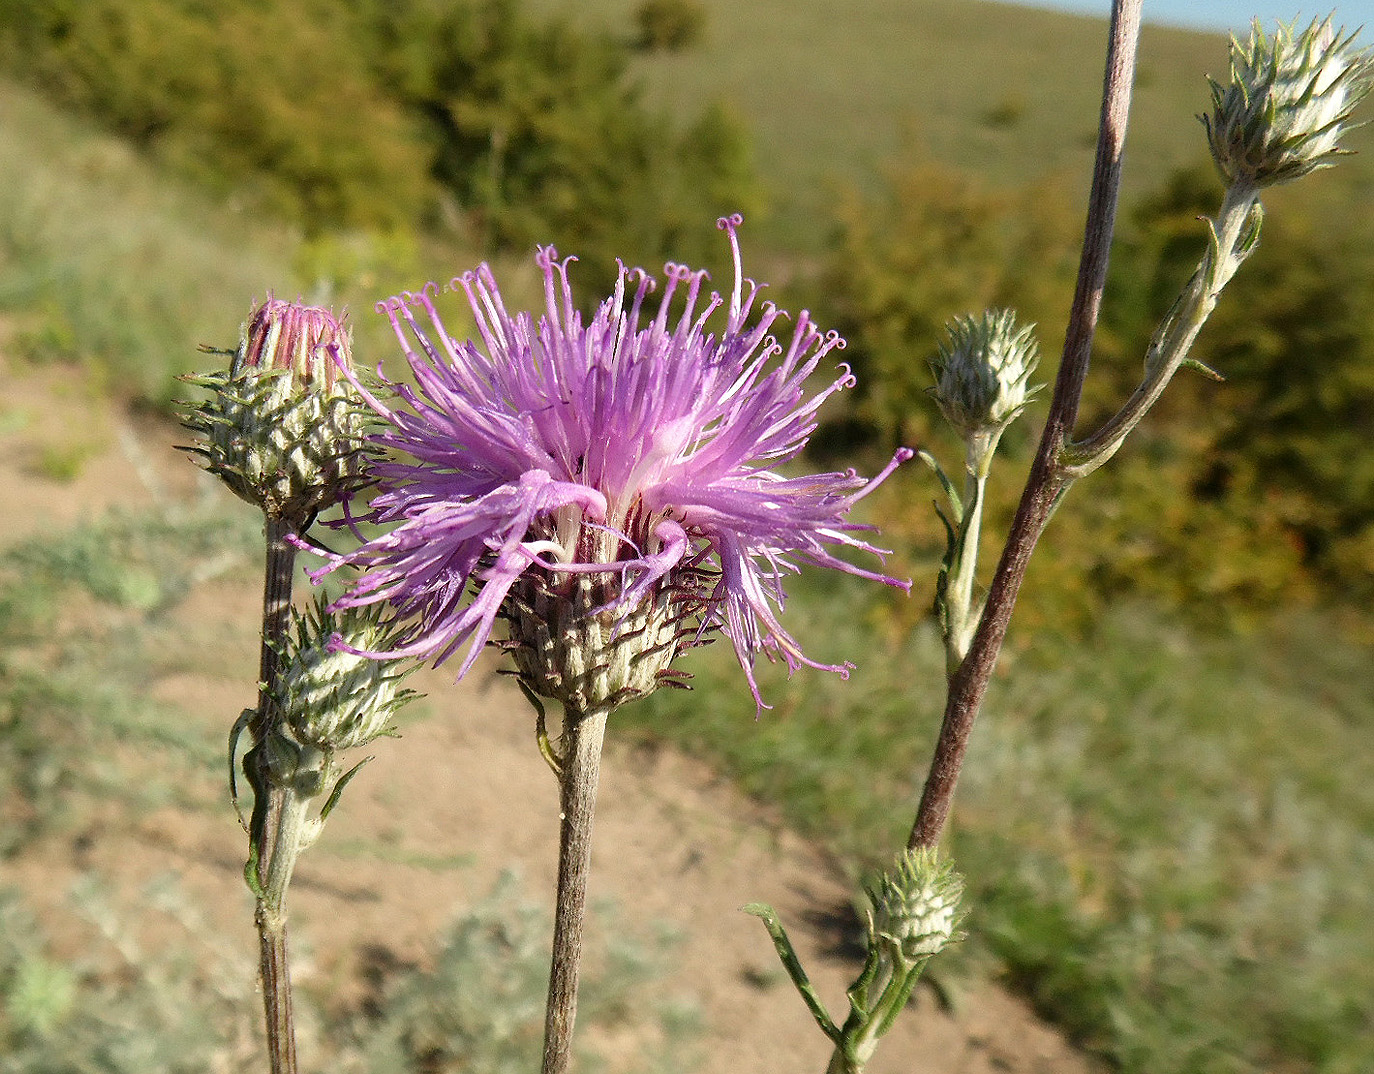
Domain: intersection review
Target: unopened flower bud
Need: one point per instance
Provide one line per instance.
(284, 429)
(332, 699)
(1286, 107)
(916, 904)
(982, 373)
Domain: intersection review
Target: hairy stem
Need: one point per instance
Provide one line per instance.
(1175, 336)
(276, 990)
(269, 818)
(581, 773)
(961, 616)
(969, 684)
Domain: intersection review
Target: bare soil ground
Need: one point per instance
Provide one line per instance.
(675, 841)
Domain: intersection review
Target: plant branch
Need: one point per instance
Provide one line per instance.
(270, 808)
(581, 772)
(1047, 481)
(1233, 236)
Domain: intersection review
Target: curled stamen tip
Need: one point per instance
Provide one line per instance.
(416, 298)
(729, 223)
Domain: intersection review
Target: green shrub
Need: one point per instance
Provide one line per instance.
(669, 25)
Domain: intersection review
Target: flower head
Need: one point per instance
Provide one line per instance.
(330, 698)
(610, 488)
(916, 904)
(284, 430)
(1286, 107)
(982, 373)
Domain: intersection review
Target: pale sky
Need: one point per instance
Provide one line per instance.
(1233, 15)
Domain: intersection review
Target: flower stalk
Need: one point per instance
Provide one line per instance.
(982, 384)
(1232, 236)
(283, 430)
(959, 612)
(580, 765)
(275, 820)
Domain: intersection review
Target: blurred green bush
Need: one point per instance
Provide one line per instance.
(471, 117)
(1232, 499)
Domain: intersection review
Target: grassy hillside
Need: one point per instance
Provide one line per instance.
(1010, 94)
(108, 263)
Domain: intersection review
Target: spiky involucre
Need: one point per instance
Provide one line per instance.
(330, 698)
(283, 429)
(916, 904)
(1285, 109)
(982, 371)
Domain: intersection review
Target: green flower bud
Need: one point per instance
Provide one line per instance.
(916, 904)
(329, 697)
(1284, 111)
(982, 374)
(284, 429)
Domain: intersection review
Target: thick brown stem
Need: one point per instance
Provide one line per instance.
(276, 615)
(581, 773)
(276, 991)
(1046, 481)
(271, 914)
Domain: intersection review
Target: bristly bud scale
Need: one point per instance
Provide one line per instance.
(1287, 104)
(572, 641)
(916, 904)
(982, 372)
(332, 699)
(284, 429)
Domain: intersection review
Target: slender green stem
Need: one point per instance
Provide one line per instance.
(961, 615)
(1172, 341)
(792, 964)
(272, 815)
(581, 772)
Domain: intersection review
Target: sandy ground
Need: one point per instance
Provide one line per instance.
(675, 842)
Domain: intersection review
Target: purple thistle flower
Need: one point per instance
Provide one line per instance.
(608, 488)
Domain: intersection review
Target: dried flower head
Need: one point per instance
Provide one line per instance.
(916, 904)
(982, 372)
(610, 488)
(283, 429)
(1286, 107)
(331, 698)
